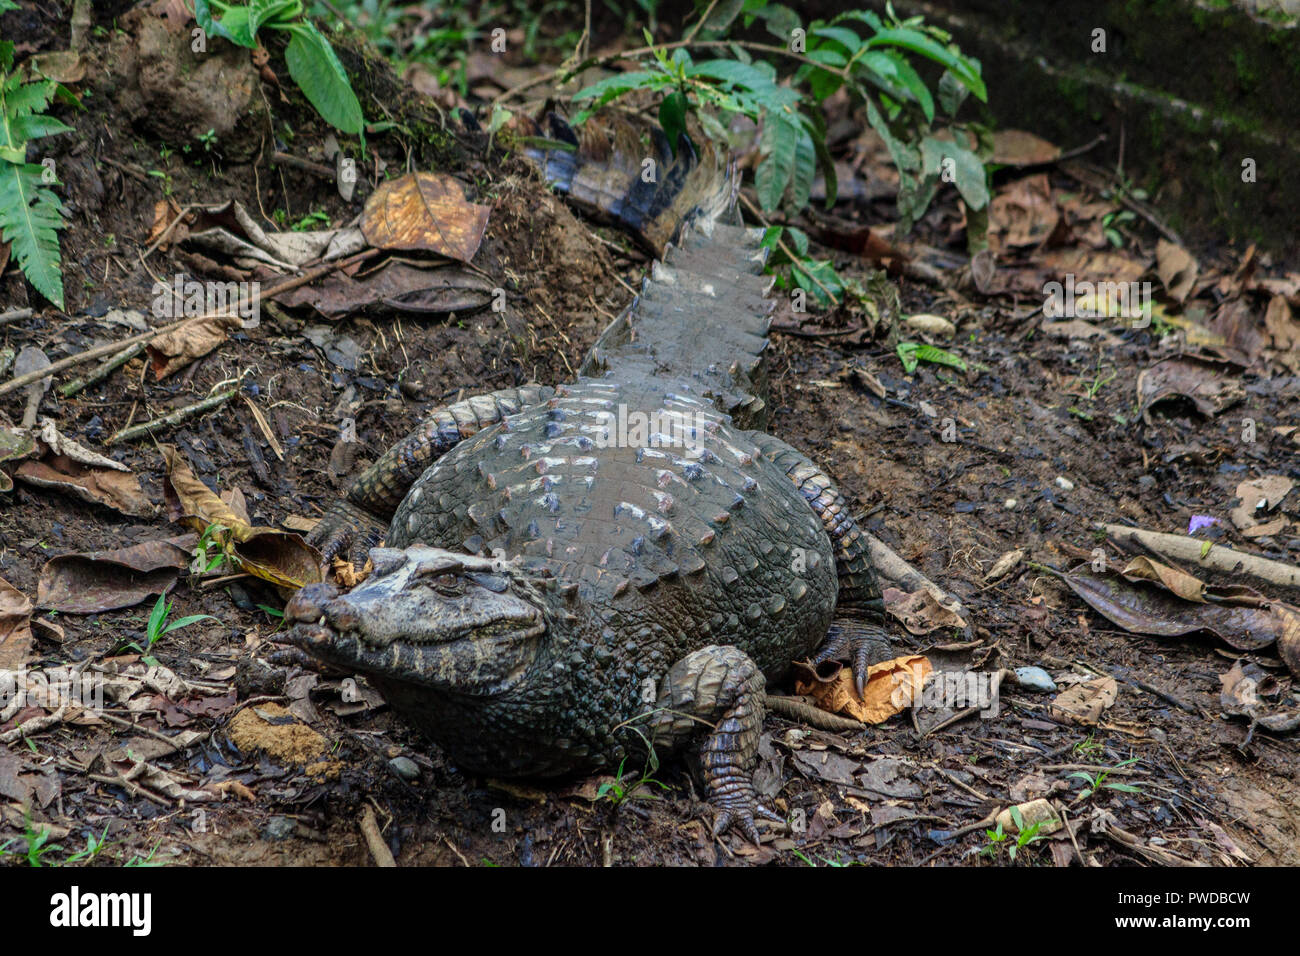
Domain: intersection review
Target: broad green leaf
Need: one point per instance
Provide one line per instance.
(964, 68)
(842, 35)
(805, 168)
(912, 354)
(967, 171)
(951, 93)
(612, 86)
(902, 78)
(672, 117)
(777, 149)
(322, 79)
(232, 26)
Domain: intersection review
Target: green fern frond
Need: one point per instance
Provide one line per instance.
(30, 212)
(30, 217)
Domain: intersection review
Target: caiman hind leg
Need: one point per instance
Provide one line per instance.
(357, 521)
(716, 695)
(866, 643)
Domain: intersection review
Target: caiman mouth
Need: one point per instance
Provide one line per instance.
(425, 616)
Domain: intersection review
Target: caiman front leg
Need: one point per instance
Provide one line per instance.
(357, 521)
(866, 643)
(716, 695)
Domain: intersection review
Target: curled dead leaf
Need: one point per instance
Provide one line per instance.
(280, 557)
(891, 688)
(425, 211)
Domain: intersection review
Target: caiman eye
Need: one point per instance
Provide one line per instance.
(448, 584)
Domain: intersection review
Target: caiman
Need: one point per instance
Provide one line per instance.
(579, 574)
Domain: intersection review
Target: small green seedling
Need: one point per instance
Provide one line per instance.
(1098, 781)
(159, 628)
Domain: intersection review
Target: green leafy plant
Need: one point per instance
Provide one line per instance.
(208, 553)
(857, 50)
(30, 212)
(37, 841)
(912, 354)
(312, 62)
(999, 838)
(1098, 781)
(158, 628)
(618, 790)
(148, 860)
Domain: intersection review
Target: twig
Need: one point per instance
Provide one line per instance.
(162, 236)
(112, 348)
(1178, 547)
(700, 23)
(174, 418)
(793, 708)
(14, 315)
(101, 371)
(317, 169)
(375, 840)
(135, 171)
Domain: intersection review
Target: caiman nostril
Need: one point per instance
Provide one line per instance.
(342, 615)
(309, 603)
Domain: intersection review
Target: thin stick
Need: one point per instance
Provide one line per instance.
(1178, 547)
(174, 418)
(113, 348)
(375, 840)
(14, 315)
(162, 236)
(101, 371)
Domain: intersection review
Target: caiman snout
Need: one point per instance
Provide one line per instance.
(308, 605)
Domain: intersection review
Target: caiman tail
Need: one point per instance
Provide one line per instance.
(702, 314)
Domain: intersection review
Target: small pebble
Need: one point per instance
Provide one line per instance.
(1035, 678)
(1010, 503)
(1065, 484)
(278, 828)
(405, 768)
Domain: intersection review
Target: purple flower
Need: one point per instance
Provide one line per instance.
(1200, 521)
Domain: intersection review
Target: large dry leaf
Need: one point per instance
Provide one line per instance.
(1015, 147)
(920, 611)
(1258, 497)
(891, 688)
(1176, 268)
(15, 628)
(1241, 692)
(67, 466)
(401, 286)
(425, 211)
(98, 486)
(1143, 607)
(172, 352)
(105, 580)
(1283, 332)
(1023, 214)
(1210, 387)
(281, 557)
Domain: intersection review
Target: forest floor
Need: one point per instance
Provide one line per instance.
(220, 755)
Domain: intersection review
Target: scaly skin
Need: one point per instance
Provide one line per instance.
(560, 592)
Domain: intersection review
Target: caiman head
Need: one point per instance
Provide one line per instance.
(460, 623)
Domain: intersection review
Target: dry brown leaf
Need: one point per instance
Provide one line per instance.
(919, 611)
(1208, 386)
(105, 580)
(1015, 147)
(1004, 565)
(425, 211)
(1258, 497)
(172, 352)
(165, 212)
(1023, 214)
(891, 688)
(1176, 268)
(1084, 703)
(1184, 585)
(15, 628)
(96, 485)
(281, 557)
